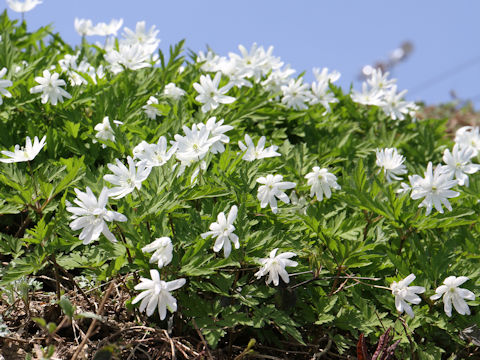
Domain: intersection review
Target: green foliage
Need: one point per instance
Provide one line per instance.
(349, 247)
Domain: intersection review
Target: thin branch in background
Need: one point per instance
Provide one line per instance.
(398, 55)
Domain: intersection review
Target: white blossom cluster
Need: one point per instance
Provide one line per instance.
(435, 187)
(200, 142)
(450, 290)
(76, 70)
(381, 91)
(260, 66)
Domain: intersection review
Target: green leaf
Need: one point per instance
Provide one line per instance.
(67, 307)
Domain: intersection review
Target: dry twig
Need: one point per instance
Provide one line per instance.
(94, 321)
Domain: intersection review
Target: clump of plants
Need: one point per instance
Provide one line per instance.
(179, 204)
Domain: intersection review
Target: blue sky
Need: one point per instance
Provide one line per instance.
(339, 34)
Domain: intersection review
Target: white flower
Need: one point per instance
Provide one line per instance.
(404, 187)
(151, 111)
(256, 62)
(275, 266)
(210, 61)
(277, 79)
(22, 6)
(130, 56)
(173, 92)
(235, 73)
(468, 136)
(296, 94)
(84, 27)
(22, 66)
(210, 95)
(157, 294)
(321, 181)
(253, 152)
(391, 162)
(324, 76)
(105, 131)
(368, 96)
(452, 294)
(69, 65)
(404, 293)
(195, 144)
(458, 163)
(379, 81)
(217, 129)
(141, 36)
(50, 87)
(3, 85)
(154, 154)
(320, 95)
(163, 251)
(27, 153)
(126, 179)
(103, 29)
(434, 188)
(271, 189)
(394, 106)
(223, 230)
(91, 214)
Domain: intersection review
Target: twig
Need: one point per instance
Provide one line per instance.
(172, 347)
(23, 226)
(259, 356)
(301, 273)
(324, 351)
(334, 277)
(209, 356)
(59, 326)
(115, 334)
(8, 338)
(412, 346)
(57, 277)
(282, 350)
(94, 321)
(75, 284)
(340, 288)
(372, 285)
(335, 281)
(170, 221)
(138, 347)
